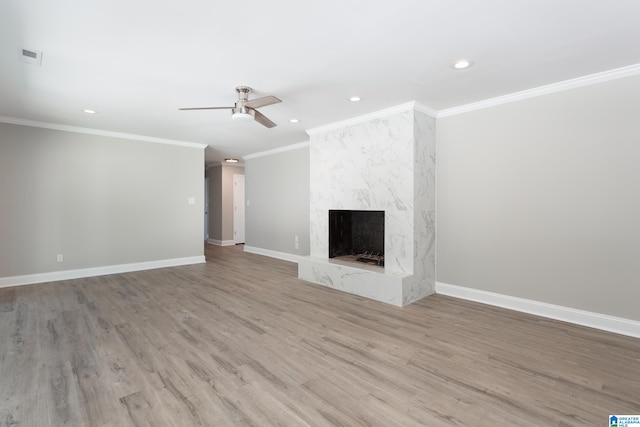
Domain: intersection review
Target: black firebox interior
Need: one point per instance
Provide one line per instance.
(356, 233)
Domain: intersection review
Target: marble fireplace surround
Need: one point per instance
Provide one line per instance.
(383, 161)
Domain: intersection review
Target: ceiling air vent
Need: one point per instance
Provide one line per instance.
(31, 57)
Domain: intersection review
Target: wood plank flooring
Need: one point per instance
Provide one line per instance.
(240, 341)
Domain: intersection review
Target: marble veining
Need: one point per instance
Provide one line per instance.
(385, 164)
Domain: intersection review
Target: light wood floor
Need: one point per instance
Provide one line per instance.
(239, 341)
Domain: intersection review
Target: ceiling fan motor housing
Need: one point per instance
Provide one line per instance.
(243, 94)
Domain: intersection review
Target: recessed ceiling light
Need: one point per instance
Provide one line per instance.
(231, 160)
(461, 64)
(89, 111)
(294, 121)
(354, 99)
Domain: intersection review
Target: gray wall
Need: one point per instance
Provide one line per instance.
(277, 193)
(539, 198)
(99, 201)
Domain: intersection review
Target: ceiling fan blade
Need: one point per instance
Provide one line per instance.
(206, 108)
(262, 102)
(263, 120)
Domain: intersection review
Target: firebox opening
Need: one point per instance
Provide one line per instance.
(357, 235)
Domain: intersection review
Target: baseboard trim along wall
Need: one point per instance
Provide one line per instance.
(54, 276)
(557, 312)
(221, 242)
(273, 254)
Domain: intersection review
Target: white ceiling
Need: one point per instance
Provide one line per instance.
(137, 62)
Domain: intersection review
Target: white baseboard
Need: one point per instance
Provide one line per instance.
(221, 242)
(567, 314)
(273, 254)
(54, 276)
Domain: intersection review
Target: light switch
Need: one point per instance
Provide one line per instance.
(192, 200)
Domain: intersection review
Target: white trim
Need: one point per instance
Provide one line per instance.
(425, 109)
(223, 163)
(566, 314)
(97, 271)
(221, 242)
(409, 106)
(89, 131)
(273, 254)
(591, 79)
(277, 150)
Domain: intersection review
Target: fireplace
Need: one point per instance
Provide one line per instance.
(384, 162)
(357, 236)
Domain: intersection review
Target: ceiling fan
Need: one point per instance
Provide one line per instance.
(245, 109)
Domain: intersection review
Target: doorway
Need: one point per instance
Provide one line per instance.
(238, 209)
(206, 208)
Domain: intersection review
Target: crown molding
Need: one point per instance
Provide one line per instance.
(409, 106)
(98, 132)
(277, 150)
(425, 109)
(618, 73)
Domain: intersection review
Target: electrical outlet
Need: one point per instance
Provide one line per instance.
(297, 242)
(60, 258)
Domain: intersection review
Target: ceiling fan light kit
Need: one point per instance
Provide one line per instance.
(245, 109)
(242, 114)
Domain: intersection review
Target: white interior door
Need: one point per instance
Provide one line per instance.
(238, 209)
